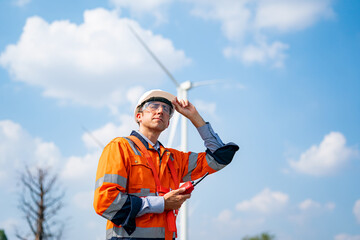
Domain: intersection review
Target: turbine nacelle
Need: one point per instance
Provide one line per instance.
(186, 85)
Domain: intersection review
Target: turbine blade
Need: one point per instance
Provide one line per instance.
(97, 141)
(204, 83)
(173, 129)
(154, 56)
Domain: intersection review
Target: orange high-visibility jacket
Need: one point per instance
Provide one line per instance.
(124, 176)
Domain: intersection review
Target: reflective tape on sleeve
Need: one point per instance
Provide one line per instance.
(115, 206)
(111, 178)
(192, 165)
(213, 163)
(144, 193)
(151, 232)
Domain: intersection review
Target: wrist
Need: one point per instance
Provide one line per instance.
(197, 120)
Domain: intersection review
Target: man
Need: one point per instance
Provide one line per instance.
(137, 180)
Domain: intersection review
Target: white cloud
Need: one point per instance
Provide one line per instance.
(311, 205)
(100, 137)
(291, 15)
(227, 216)
(356, 210)
(242, 21)
(79, 167)
(93, 63)
(347, 237)
(84, 200)
(234, 224)
(236, 85)
(17, 148)
(134, 94)
(140, 8)
(311, 210)
(262, 52)
(206, 107)
(229, 219)
(47, 153)
(21, 3)
(251, 16)
(36, 152)
(234, 15)
(266, 201)
(326, 158)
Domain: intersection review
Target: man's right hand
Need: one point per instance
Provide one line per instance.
(175, 198)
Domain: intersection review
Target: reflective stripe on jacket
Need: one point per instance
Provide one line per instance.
(124, 176)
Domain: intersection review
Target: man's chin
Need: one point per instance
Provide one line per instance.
(158, 120)
(160, 127)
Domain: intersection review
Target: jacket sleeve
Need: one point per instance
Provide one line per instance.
(111, 200)
(194, 165)
(217, 156)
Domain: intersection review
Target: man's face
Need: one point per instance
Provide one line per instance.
(155, 116)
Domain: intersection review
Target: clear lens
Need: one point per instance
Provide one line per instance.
(154, 106)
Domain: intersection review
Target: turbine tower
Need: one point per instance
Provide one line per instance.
(182, 93)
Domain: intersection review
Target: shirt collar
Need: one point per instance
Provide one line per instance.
(144, 140)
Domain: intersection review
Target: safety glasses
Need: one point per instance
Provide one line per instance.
(154, 106)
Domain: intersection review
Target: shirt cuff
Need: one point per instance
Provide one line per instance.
(151, 204)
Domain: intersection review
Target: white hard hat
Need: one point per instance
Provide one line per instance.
(154, 95)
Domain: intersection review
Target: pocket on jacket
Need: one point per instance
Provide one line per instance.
(141, 176)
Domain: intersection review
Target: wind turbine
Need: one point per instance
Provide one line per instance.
(182, 93)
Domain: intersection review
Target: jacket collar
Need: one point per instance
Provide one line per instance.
(143, 140)
(147, 145)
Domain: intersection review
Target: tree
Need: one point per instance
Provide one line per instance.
(263, 236)
(2, 235)
(40, 202)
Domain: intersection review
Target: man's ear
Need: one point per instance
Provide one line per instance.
(139, 117)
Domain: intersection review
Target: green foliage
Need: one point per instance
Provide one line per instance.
(2, 235)
(263, 236)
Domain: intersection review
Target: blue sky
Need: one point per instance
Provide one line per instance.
(289, 78)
